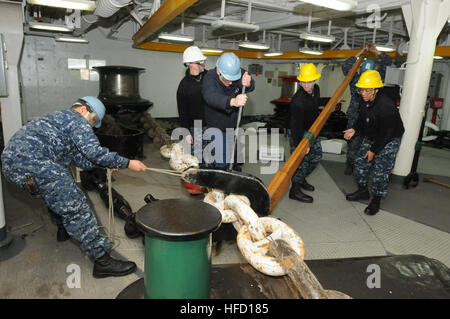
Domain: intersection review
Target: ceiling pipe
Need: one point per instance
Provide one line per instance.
(87, 20)
(166, 13)
(106, 8)
(263, 5)
(222, 23)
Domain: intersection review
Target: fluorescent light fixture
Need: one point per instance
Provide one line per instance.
(71, 39)
(51, 27)
(211, 50)
(69, 4)
(253, 45)
(317, 37)
(307, 50)
(437, 57)
(176, 37)
(385, 47)
(340, 5)
(274, 53)
(220, 23)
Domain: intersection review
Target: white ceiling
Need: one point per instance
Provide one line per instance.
(287, 18)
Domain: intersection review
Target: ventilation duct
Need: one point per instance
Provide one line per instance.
(106, 8)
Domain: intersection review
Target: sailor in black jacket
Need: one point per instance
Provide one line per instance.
(303, 111)
(222, 91)
(381, 127)
(190, 102)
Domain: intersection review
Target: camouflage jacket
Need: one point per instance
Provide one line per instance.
(63, 137)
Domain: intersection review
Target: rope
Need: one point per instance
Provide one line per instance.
(110, 230)
(165, 171)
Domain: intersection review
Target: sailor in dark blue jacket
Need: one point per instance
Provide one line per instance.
(37, 158)
(222, 91)
(190, 102)
(381, 127)
(353, 108)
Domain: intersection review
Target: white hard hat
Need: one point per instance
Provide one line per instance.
(193, 54)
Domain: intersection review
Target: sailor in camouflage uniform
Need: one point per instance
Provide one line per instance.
(303, 111)
(37, 158)
(353, 108)
(381, 128)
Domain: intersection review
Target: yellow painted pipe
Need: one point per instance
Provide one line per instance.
(328, 54)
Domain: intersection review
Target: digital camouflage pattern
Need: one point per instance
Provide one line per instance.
(382, 164)
(353, 108)
(310, 161)
(44, 148)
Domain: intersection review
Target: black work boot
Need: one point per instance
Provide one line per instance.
(62, 234)
(361, 193)
(374, 206)
(297, 194)
(107, 266)
(348, 169)
(305, 185)
(131, 229)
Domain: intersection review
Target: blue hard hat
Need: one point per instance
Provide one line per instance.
(368, 64)
(229, 66)
(96, 105)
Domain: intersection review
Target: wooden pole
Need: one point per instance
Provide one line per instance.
(280, 182)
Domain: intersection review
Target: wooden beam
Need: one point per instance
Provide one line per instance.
(442, 51)
(166, 13)
(280, 182)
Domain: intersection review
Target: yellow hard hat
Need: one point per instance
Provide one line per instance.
(308, 73)
(370, 79)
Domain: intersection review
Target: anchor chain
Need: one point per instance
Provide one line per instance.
(255, 233)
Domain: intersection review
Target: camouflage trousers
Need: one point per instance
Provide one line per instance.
(355, 142)
(353, 146)
(382, 165)
(310, 161)
(62, 196)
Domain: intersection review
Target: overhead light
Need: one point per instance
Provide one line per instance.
(253, 45)
(317, 37)
(51, 27)
(403, 48)
(385, 47)
(341, 5)
(437, 57)
(273, 53)
(69, 4)
(211, 50)
(176, 37)
(220, 23)
(389, 46)
(204, 47)
(71, 39)
(307, 50)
